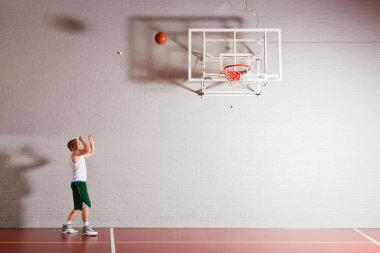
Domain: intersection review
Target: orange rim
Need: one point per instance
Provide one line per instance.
(234, 75)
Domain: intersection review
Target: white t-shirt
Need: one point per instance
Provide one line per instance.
(79, 169)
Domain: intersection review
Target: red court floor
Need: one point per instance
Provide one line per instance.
(193, 240)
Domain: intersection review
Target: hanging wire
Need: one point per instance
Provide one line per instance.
(246, 11)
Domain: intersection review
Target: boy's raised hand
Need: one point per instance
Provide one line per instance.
(91, 138)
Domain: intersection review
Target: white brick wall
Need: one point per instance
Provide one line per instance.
(305, 154)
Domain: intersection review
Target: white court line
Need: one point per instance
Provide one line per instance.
(113, 250)
(366, 236)
(235, 242)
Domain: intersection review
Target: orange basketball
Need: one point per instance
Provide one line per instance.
(161, 38)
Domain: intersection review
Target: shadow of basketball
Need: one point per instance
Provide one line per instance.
(69, 24)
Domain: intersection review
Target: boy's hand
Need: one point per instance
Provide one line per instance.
(91, 138)
(81, 138)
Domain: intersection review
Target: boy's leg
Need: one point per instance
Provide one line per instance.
(85, 215)
(81, 187)
(67, 228)
(87, 230)
(73, 215)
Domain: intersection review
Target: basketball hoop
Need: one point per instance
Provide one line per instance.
(235, 74)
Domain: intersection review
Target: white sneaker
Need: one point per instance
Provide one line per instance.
(68, 229)
(87, 230)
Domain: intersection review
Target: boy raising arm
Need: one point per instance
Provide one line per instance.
(81, 197)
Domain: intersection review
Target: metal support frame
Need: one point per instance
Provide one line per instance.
(260, 78)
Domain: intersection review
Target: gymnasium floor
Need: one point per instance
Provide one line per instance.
(158, 240)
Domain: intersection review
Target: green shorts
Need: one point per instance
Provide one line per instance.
(80, 195)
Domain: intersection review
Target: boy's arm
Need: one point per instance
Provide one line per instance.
(80, 152)
(92, 146)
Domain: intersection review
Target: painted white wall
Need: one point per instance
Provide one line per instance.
(305, 154)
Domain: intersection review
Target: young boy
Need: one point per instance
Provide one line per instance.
(81, 198)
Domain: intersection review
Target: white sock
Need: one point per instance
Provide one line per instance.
(86, 224)
(69, 222)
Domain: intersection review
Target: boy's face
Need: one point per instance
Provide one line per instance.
(75, 146)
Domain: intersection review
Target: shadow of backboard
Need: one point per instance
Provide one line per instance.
(149, 62)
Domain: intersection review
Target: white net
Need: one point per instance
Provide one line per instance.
(235, 75)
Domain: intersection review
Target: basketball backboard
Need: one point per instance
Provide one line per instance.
(211, 50)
